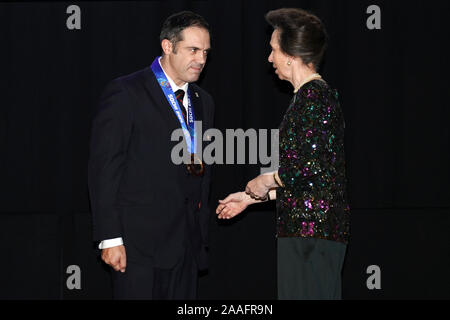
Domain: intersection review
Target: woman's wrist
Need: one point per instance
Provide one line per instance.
(278, 182)
(249, 200)
(269, 181)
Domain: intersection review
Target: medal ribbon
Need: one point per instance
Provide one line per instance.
(189, 130)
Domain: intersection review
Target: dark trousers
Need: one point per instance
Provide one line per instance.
(141, 281)
(309, 269)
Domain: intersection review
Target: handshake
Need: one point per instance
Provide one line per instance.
(260, 189)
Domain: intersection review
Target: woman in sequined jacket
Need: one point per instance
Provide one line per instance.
(310, 184)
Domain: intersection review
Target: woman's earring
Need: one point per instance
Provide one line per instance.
(289, 63)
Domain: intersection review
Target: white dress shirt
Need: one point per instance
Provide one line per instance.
(109, 243)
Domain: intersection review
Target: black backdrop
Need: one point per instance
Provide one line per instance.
(394, 92)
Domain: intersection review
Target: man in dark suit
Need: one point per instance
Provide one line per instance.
(150, 214)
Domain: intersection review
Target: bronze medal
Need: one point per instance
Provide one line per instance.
(196, 169)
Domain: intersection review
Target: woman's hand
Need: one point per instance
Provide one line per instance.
(233, 205)
(260, 186)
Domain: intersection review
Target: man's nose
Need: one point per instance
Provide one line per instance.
(270, 57)
(201, 57)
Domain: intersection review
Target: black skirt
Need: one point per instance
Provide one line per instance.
(310, 269)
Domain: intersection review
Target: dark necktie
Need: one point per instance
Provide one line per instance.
(180, 95)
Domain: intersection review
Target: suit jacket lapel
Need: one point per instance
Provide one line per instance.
(196, 103)
(160, 102)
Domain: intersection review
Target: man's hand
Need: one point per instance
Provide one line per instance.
(115, 257)
(233, 205)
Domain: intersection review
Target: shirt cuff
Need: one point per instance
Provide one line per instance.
(110, 243)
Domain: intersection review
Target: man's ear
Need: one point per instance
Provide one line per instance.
(166, 46)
